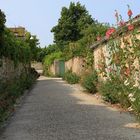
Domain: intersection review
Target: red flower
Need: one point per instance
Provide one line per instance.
(109, 32)
(130, 13)
(130, 27)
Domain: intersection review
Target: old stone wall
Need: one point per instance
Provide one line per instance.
(9, 71)
(76, 65)
(101, 51)
(54, 69)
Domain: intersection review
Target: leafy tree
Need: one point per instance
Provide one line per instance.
(33, 43)
(51, 48)
(42, 52)
(71, 23)
(2, 27)
(49, 59)
(2, 21)
(81, 47)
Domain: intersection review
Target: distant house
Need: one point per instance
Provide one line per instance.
(18, 31)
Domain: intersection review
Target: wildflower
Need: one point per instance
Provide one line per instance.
(130, 108)
(130, 95)
(121, 23)
(130, 13)
(109, 32)
(130, 27)
(126, 82)
(132, 99)
(136, 85)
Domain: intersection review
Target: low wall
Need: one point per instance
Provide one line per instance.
(101, 52)
(52, 69)
(76, 65)
(55, 68)
(9, 71)
(38, 67)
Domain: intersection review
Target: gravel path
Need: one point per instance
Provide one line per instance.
(54, 110)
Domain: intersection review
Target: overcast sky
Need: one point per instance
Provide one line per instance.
(39, 16)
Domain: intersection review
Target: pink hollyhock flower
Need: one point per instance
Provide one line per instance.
(130, 13)
(130, 27)
(109, 32)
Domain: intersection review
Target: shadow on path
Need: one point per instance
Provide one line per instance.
(54, 110)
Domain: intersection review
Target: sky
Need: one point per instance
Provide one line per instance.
(39, 16)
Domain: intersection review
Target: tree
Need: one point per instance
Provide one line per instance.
(2, 22)
(71, 23)
(2, 28)
(33, 43)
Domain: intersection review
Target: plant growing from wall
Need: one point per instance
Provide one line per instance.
(124, 66)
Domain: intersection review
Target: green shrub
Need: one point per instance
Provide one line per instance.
(10, 91)
(109, 91)
(134, 98)
(71, 78)
(89, 82)
(48, 61)
(114, 91)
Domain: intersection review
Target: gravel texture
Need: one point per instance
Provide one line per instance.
(54, 110)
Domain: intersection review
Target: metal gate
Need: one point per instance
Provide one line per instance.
(61, 67)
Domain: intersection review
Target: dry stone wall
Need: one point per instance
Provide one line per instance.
(76, 65)
(9, 71)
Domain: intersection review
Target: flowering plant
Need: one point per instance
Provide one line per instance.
(130, 27)
(122, 22)
(130, 13)
(109, 32)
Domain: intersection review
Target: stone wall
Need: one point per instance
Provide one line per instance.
(101, 50)
(9, 71)
(38, 67)
(76, 65)
(54, 69)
